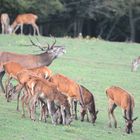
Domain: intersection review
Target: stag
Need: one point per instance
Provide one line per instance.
(28, 61)
(5, 21)
(29, 19)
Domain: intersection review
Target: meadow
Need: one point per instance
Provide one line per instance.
(97, 65)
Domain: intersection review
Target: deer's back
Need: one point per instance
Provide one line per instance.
(66, 85)
(120, 97)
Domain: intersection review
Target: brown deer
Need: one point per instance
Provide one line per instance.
(13, 68)
(70, 88)
(49, 54)
(29, 19)
(5, 23)
(135, 64)
(48, 92)
(119, 97)
(22, 75)
(89, 102)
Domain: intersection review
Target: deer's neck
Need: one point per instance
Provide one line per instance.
(14, 24)
(45, 59)
(130, 109)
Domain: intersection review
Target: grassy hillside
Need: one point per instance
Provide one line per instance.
(93, 63)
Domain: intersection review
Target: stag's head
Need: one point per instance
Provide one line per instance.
(129, 125)
(54, 50)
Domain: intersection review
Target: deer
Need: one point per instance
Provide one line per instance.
(120, 97)
(49, 54)
(135, 64)
(21, 19)
(13, 68)
(70, 88)
(48, 92)
(75, 93)
(22, 75)
(5, 23)
(88, 98)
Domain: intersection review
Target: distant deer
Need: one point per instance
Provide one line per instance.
(31, 61)
(29, 19)
(5, 23)
(135, 64)
(119, 97)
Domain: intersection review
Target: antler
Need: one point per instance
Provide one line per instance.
(40, 43)
(53, 42)
(43, 48)
(37, 45)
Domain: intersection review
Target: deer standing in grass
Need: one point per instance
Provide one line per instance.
(13, 68)
(135, 64)
(75, 92)
(22, 75)
(5, 23)
(48, 92)
(49, 54)
(68, 87)
(119, 97)
(21, 19)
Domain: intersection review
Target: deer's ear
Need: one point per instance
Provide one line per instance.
(135, 119)
(125, 118)
(97, 112)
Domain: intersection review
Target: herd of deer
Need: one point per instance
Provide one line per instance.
(20, 20)
(57, 94)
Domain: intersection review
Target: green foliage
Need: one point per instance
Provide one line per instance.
(94, 63)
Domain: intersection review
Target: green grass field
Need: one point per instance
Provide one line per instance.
(94, 63)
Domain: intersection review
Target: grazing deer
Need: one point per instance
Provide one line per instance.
(119, 97)
(70, 88)
(48, 92)
(5, 22)
(89, 102)
(135, 64)
(29, 19)
(49, 54)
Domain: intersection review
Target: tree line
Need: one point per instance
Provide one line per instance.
(108, 19)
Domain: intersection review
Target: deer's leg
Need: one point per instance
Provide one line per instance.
(111, 108)
(112, 112)
(16, 28)
(82, 113)
(51, 111)
(2, 28)
(71, 105)
(28, 98)
(23, 101)
(63, 115)
(18, 89)
(36, 29)
(21, 27)
(1, 84)
(75, 109)
(6, 86)
(33, 101)
(43, 112)
(87, 115)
